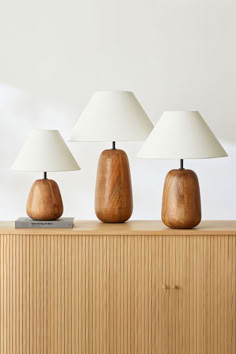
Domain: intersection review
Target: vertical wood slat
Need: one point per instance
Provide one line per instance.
(232, 290)
(103, 294)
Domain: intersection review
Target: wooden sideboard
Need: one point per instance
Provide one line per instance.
(134, 288)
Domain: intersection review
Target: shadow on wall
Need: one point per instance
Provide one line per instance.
(20, 112)
(223, 124)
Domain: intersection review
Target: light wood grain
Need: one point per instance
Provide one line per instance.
(181, 203)
(133, 227)
(113, 196)
(92, 293)
(44, 201)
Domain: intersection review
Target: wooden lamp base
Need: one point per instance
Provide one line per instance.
(181, 203)
(44, 201)
(113, 196)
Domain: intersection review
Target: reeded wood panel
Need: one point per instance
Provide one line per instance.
(117, 294)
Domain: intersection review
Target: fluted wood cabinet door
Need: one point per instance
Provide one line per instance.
(117, 294)
(206, 303)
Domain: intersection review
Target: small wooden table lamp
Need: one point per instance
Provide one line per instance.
(181, 135)
(113, 116)
(45, 151)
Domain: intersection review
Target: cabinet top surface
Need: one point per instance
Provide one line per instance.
(134, 227)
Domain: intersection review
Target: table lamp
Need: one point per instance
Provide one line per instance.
(113, 116)
(181, 135)
(45, 151)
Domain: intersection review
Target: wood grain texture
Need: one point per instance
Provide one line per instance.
(132, 227)
(44, 201)
(181, 203)
(113, 197)
(131, 294)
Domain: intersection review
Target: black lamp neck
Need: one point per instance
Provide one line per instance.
(45, 175)
(113, 145)
(181, 164)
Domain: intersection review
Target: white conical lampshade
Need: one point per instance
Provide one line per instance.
(181, 135)
(112, 116)
(45, 151)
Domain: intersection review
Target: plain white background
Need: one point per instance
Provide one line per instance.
(173, 54)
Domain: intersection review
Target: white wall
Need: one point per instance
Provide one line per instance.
(172, 54)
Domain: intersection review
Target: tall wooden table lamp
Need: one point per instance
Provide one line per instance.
(45, 151)
(181, 135)
(113, 116)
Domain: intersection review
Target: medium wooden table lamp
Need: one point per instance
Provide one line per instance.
(113, 116)
(181, 135)
(45, 151)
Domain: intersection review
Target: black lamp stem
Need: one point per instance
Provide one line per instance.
(45, 175)
(113, 145)
(181, 164)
